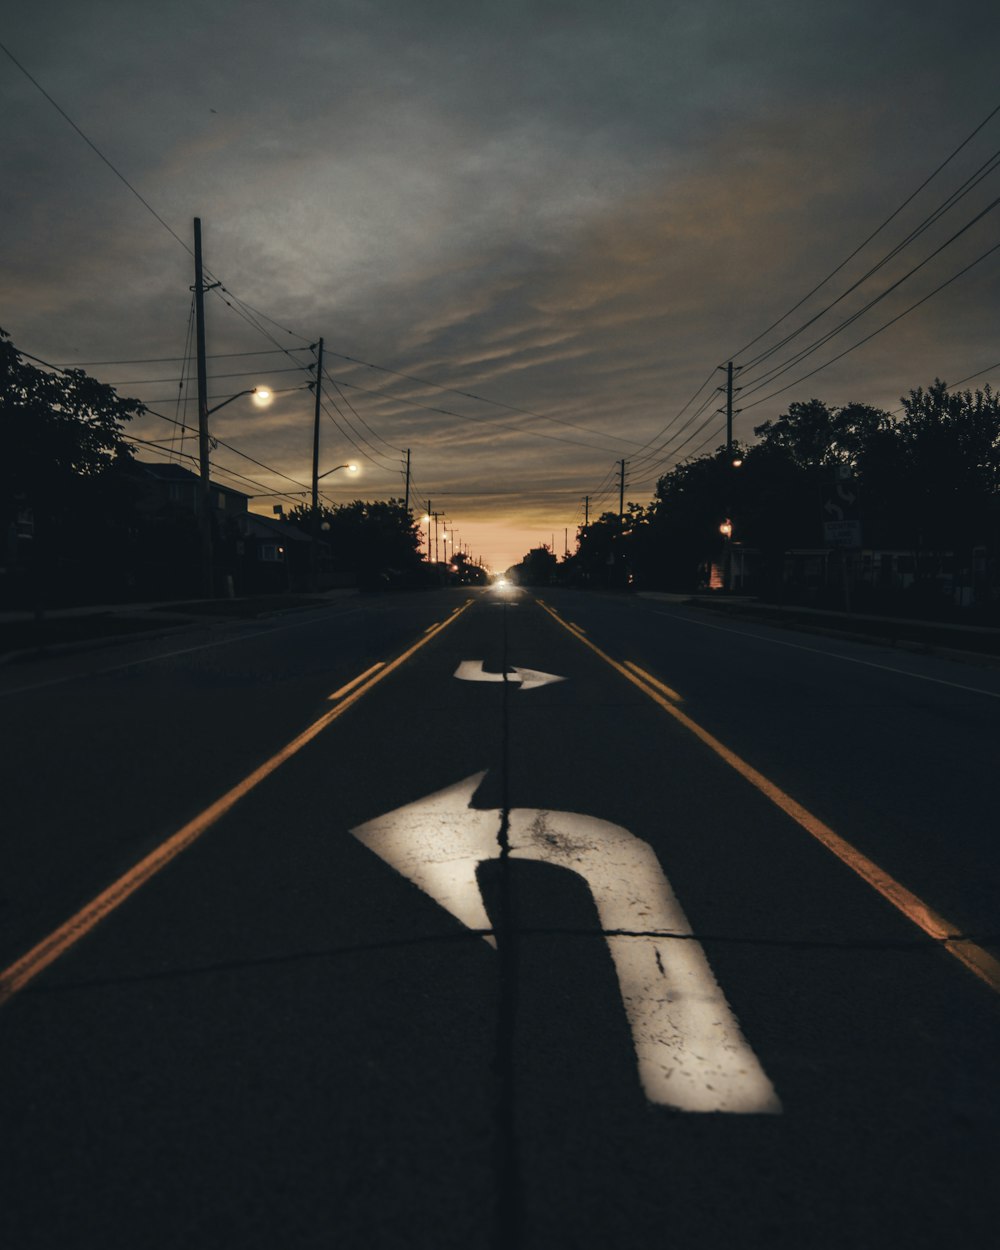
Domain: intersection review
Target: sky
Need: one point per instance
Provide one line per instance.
(528, 231)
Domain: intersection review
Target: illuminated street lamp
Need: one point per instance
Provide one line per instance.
(726, 530)
(263, 396)
(351, 468)
(314, 518)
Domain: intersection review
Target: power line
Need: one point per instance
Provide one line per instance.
(170, 360)
(93, 146)
(833, 272)
(956, 196)
(461, 416)
(887, 324)
(333, 382)
(805, 352)
(451, 390)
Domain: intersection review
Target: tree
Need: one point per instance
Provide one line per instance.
(61, 471)
(950, 455)
(374, 541)
(538, 568)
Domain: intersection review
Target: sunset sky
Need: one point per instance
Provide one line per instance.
(570, 212)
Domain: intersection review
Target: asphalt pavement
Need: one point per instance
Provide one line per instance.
(491, 922)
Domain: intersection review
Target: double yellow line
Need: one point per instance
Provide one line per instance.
(975, 958)
(25, 969)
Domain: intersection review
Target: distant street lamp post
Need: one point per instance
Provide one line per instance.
(204, 412)
(726, 530)
(314, 525)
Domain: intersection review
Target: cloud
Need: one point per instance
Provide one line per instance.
(568, 208)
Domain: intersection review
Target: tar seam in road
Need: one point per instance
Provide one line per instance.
(507, 1225)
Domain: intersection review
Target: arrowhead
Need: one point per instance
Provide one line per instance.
(530, 678)
(438, 843)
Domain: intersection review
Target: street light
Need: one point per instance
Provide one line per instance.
(314, 524)
(351, 468)
(204, 442)
(263, 397)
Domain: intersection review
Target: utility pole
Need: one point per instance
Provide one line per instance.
(205, 518)
(434, 517)
(406, 505)
(730, 369)
(586, 511)
(729, 408)
(314, 518)
(621, 495)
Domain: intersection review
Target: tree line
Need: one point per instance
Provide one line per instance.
(923, 485)
(84, 519)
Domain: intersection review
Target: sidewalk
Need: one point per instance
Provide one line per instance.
(977, 643)
(78, 628)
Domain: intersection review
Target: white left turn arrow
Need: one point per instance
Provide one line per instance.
(529, 678)
(690, 1051)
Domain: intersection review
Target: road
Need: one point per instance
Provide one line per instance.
(356, 928)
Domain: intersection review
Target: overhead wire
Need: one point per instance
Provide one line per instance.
(479, 398)
(181, 399)
(956, 196)
(170, 360)
(878, 229)
(94, 148)
(868, 337)
(783, 367)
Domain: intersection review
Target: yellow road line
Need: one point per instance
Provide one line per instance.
(653, 681)
(975, 958)
(60, 940)
(339, 694)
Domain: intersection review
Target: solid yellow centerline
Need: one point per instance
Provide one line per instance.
(60, 940)
(339, 694)
(974, 957)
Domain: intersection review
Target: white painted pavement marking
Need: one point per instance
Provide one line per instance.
(830, 655)
(690, 1051)
(529, 678)
(249, 636)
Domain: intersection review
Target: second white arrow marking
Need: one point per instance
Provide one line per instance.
(529, 678)
(690, 1051)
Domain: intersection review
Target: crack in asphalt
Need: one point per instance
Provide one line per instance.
(508, 1193)
(474, 937)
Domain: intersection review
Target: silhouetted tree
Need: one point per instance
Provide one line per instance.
(61, 471)
(538, 568)
(377, 541)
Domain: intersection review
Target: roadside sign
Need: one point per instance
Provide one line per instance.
(842, 533)
(841, 512)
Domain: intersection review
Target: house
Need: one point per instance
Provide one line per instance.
(273, 556)
(165, 487)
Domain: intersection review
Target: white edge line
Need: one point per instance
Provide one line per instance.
(830, 655)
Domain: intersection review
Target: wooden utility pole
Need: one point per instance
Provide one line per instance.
(621, 494)
(434, 517)
(406, 505)
(314, 517)
(730, 369)
(205, 511)
(729, 408)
